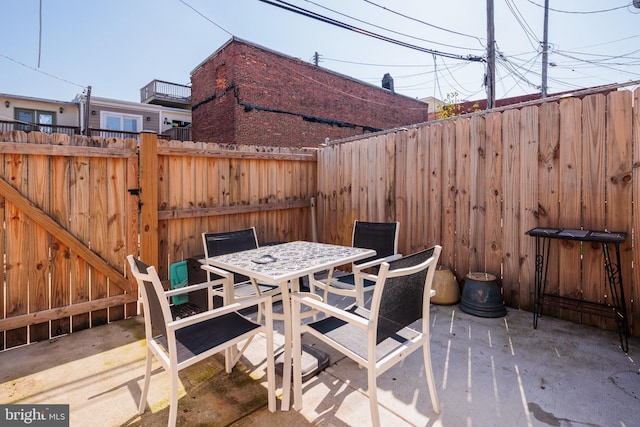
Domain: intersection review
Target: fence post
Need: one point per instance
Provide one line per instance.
(149, 198)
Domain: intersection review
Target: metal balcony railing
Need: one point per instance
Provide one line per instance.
(165, 93)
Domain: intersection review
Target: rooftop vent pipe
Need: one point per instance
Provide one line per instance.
(387, 82)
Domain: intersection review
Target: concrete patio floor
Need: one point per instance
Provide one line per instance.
(489, 372)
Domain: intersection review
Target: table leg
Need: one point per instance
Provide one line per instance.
(287, 363)
(230, 353)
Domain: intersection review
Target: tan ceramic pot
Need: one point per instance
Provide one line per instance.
(446, 286)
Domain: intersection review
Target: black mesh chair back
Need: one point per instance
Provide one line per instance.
(227, 242)
(379, 236)
(401, 302)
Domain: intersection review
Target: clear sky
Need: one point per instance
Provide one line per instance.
(118, 46)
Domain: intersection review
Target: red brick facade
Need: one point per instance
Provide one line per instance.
(246, 94)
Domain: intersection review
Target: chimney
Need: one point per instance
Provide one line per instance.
(387, 82)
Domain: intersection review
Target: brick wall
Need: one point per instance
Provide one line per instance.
(246, 94)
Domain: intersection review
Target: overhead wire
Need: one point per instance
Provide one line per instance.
(310, 14)
(206, 17)
(386, 29)
(582, 12)
(535, 43)
(426, 23)
(42, 72)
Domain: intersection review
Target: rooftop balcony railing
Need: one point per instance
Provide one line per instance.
(165, 93)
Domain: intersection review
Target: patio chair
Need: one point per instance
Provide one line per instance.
(380, 236)
(382, 336)
(178, 344)
(243, 287)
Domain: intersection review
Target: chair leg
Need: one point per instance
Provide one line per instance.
(145, 386)
(373, 397)
(426, 351)
(173, 405)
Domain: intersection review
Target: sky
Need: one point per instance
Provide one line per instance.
(55, 49)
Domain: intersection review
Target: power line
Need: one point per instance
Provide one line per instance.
(296, 9)
(386, 29)
(42, 72)
(582, 12)
(425, 23)
(523, 24)
(205, 17)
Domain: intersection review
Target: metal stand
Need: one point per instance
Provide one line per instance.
(617, 310)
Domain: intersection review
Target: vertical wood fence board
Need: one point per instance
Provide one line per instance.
(60, 253)
(477, 194)
(364, 170)
(391, 166)
(463, 198)
(493, 237)
(37, 190)
(512, 163)
(79, 226)
(449, 167)
(356, 176)
(191, 181)
(16, 278)
(436, 175)
(131, 309)
(345, 209)
(548, 188)
(368, 159)
(402, 190)
(529, 142)
(179, 195)
(149, 227)
(380, 190)
(115, 250)
(619, 169)
(593, 210)
(415, 184)
(98, 232)
(321, 193)
(634, 279)
(570, 199)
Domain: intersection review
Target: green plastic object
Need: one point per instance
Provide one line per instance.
(179, 275)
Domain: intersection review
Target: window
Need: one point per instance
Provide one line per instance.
(120, 121)
(29, 119)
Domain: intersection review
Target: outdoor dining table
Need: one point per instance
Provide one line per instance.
(281, 265)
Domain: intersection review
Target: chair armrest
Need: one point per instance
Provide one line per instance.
(375, 262)
(226, 309)
(218, 271)
(310, 301)
(191, 288)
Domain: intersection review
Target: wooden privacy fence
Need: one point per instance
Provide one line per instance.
(74, 207)
(477, 183)
(190, 188)
(68, 223)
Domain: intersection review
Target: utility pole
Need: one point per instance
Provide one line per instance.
(316, 58)
(87, 111)
(545, 49)
(490, 77)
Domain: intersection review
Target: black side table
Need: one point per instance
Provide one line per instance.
(616, 310)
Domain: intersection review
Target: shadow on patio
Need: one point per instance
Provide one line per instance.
(488, 372)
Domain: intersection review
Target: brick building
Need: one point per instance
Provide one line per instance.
(247, 94)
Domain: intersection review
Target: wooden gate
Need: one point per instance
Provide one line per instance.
(68, 222)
